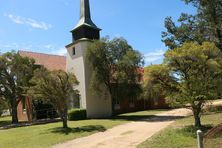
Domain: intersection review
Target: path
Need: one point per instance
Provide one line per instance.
(127, 135)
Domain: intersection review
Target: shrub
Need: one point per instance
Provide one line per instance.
(44, 110)
(77, 114)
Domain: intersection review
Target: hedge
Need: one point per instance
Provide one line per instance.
(77, 114)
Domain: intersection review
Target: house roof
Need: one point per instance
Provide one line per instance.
(51, 62)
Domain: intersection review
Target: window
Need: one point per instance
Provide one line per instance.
(74, 51)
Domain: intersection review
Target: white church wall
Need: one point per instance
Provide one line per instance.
(75, 64)
(98, 105)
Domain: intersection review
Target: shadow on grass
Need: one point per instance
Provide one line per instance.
(90, 128)
(213, 109)
(191, 130)
(148, 118)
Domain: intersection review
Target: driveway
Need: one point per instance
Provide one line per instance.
(127, 135)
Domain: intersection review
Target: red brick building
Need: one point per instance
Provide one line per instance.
(51, 62)
(55, 62)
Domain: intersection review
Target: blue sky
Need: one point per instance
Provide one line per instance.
(44, 25)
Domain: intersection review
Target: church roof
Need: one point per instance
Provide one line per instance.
(51, 62)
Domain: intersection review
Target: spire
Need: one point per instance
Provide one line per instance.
(85, 9)
(85, 17)
(85, 29)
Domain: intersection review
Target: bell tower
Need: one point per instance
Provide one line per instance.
(83, 34)
(85, 27)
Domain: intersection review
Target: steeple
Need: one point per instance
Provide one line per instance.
(85, 27)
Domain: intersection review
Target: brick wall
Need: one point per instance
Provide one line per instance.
(139, 105)
(25, 114)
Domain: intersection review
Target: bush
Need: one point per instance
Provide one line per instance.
(44, 110)
(77, 114)
(213, 108)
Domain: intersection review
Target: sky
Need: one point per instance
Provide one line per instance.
(44, 25)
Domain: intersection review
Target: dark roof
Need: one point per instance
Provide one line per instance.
(51, 62)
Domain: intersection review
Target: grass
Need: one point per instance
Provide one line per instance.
(41, 136)
(183, 134)
(214, 142)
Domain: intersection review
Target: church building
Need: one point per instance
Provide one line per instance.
(97, 105)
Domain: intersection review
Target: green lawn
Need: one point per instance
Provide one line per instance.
(46, 135)
(214, 142)
(182, 134)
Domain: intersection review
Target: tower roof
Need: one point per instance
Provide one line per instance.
(85, 17)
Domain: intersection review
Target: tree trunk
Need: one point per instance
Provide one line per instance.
(112, 100)
(14, 112)
(64, 122)
(196, 113)
(197, 121)
(113, 106)
(65, 118)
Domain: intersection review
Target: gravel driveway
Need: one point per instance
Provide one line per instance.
(127, 135)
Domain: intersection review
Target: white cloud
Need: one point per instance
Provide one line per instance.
(49, 46)
(28, 21)
(54, 49)
(154, 56)
(61, 51)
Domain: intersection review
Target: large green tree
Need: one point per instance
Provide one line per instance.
(116, 65)
(158, 82)
(3, 105)
(197, 70)
(205, 25)
(15, 73)
(55, 87)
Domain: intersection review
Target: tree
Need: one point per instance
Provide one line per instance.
(116, 65)
(210, 14)
(158, 82)
(54, 87)
(206, 25)
(3, 105)
(197, 71)
(15, 73)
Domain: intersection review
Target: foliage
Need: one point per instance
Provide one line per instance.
(3, 105)
(5, 120)
(77, 114)
(116, 65)
(43, 110)
(197, 70)
(15, 73)
(190, 75)
(55, 87)
(206, 25)
(157, 81)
